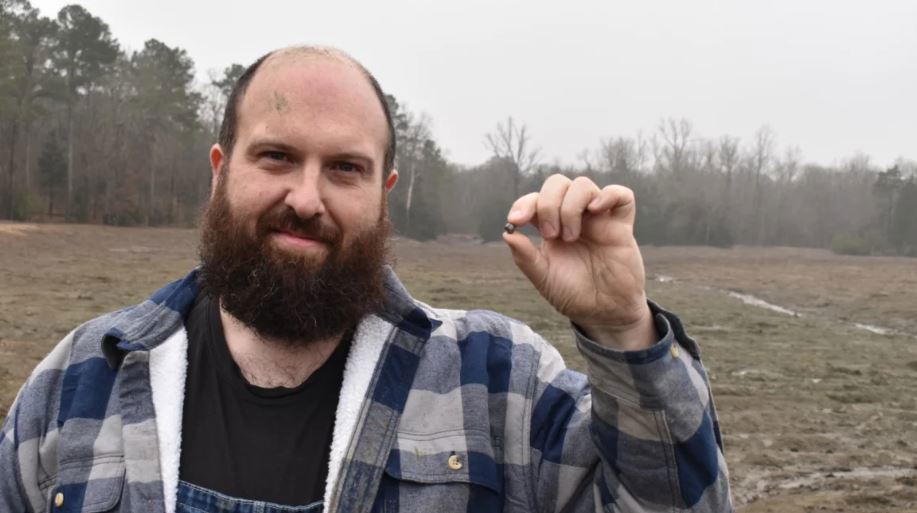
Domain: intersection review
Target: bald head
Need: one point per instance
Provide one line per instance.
(292, 56)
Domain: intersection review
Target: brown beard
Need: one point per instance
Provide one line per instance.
(284, 296)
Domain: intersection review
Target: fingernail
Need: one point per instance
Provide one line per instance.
(568, 234)
(592, 204)
(515, 213)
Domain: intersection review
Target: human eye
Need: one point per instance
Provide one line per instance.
(275, 155)
(346, 167)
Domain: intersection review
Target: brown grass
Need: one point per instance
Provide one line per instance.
(817, 414)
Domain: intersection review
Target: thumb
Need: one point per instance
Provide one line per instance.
(527, 257)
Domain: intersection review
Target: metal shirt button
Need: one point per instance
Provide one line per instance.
(455, 462)
(58, 499)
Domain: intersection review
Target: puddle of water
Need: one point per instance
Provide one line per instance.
(757, 485)
(712, 327)
(755, 301)
(856, 473)
(750, 300)
(878, 330)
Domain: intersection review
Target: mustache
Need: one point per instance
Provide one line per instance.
(287, 221)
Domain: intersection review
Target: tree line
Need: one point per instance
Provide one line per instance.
(91, 132)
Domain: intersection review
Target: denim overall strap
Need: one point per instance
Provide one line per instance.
(194, 499)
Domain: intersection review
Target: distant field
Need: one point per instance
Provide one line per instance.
(817, 395)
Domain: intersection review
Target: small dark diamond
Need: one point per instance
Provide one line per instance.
(509, 227)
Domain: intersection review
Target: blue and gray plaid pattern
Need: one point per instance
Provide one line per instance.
(466, 411)
(194, 499)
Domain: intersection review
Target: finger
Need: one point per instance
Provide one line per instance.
(523, 209)
(528, 258)
(581, 192)
(549, 201)
(616, 199)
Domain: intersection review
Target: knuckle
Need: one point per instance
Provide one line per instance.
(557, 178)
(547, 210)
(624, 190)
(568, 211)
(583, 180)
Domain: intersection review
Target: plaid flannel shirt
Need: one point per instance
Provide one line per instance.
(464, 411)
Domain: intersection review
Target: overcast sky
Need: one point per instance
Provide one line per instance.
(832, 77)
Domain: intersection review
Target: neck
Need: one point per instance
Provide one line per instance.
(271, 363)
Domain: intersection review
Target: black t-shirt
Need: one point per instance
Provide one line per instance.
(250, 442)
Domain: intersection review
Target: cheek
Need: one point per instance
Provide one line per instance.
(252, 197)
(357, 213)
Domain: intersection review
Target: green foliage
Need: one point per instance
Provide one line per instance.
(904, 221)
(7, 52)
(132, 130)
(415, 204)
(493, 219)
(162, 77)
(426, 222)
(230, 76)
(84, 49)
(32, 77)
(896, 198)
(22, 207)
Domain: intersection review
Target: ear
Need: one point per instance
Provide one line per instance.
(391, 180)
(217, 158)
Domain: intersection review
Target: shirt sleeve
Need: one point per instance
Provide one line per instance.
(638, 434)
(12, 496)
(28, 441)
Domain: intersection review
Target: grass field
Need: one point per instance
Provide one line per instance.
(816, 388)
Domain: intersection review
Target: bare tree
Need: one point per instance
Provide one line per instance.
(762, 151)
(788, 166)
(762, 155)
(511, 142)
(728, 159)
(622, 156)
(728, 155)
(676, 135)
(708, 153)
(413, 139)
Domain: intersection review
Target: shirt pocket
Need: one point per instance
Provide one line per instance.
(442, 472)
(88, 486)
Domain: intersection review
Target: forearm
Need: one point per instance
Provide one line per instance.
(654, 424)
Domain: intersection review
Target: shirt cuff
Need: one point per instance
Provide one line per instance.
(643, 376)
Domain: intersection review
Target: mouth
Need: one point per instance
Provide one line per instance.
(298, 240)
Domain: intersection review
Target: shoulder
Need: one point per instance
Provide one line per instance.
(460, 325)
(77, 351)
(494, 342)
(483, 346)
(81, 344)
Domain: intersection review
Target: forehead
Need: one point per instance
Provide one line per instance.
(319, 98)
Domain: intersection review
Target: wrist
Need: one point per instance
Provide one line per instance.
(633, 336)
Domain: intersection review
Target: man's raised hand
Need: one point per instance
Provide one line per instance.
(589, 266)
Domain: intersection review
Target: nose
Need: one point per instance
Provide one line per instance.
(305, 195)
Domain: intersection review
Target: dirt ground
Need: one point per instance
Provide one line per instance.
(813, 357)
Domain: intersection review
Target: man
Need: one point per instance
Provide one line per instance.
(293, 372)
